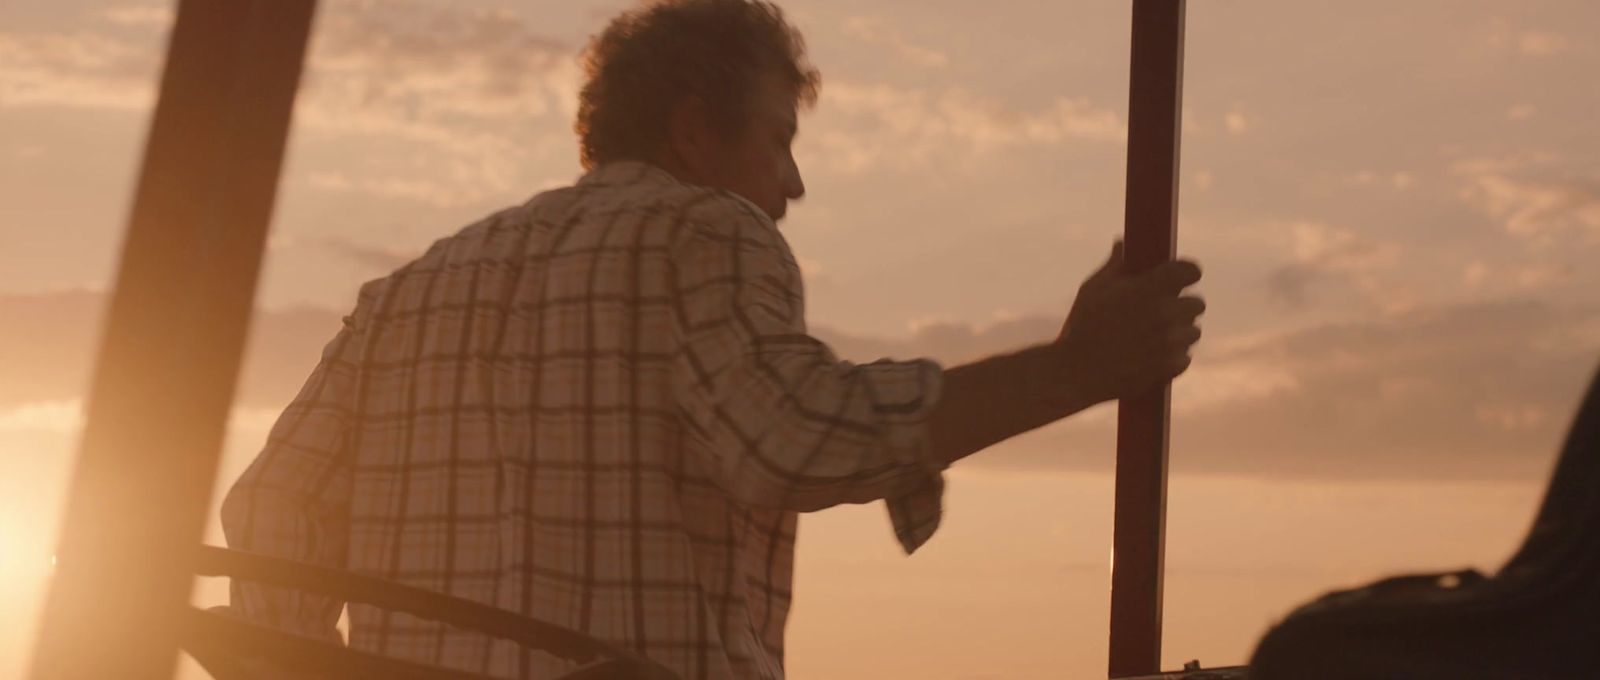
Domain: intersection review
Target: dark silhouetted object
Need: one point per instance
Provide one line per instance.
(1155, 100)
(1534, 620)
(165, 374)
(230, 648)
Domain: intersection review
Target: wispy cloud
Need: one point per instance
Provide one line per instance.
(398, 61)
(48, 359)
(61, 417)
(1471, 391)
(1542, 44)
(1236, 122)
(1464, 391)
(1532, 197)
(79, 70)
(877, 31)
(866, 125)
(466, 183)
(1322, 253)
(1399, 180)
(160, 16)
(378, 258)
(465, 87)
(467, 93)
(1528, 42)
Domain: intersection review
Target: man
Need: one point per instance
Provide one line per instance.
(602, 408)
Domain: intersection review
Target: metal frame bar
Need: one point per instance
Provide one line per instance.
(218, 640)
(172, 340)
(1155, 97)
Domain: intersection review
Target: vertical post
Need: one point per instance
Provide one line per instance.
(1155, 96)
(172, 340)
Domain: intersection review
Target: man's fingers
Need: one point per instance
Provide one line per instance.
(1171, 278)
(1179, 364)
(1183, 337)
(1115, 261)
(1113, 264)
(1184, 309)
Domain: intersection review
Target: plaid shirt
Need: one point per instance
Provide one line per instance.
(600, 409)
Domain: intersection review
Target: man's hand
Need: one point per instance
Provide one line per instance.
(1125, 334)
(1128, 333)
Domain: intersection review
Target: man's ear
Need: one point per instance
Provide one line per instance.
(689, 135)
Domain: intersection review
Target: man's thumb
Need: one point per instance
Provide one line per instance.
(1113, 264)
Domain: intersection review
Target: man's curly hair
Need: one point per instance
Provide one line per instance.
(650, 57)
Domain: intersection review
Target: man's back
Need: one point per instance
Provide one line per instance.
(599, 409)
(602, 409)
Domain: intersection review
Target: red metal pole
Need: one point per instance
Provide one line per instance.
(173, 337)
(1155, 96)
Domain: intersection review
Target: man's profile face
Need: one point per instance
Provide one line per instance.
(759, 163)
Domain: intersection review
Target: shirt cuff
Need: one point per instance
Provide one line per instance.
(915, 514)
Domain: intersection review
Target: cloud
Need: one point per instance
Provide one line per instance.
(437, 105)
(1398, 180)
(1519, 278)
(1528, 42)
(62, 417)
(379, 258)
(80, 70)
(1338, 249)
(408, 68)
(947, 341)
(1481, 391)
(47, 360)
(453, 100)
(1541, 44)
(45, 357)
(1531, 197)
(866, 125)
(954, 342)
(448, 186)
(1417, 387)
(876, 31)
(1323, 253)
(139, 15)
(1471, 391)
(1236, 123)
(395, 67)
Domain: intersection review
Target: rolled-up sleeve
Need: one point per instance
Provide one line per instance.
(771, 412)
(293, 500)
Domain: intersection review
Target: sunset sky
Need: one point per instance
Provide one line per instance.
(1397, 205)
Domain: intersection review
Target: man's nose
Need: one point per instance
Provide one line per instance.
(795, 187)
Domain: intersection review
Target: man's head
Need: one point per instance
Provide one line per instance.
(706, 89)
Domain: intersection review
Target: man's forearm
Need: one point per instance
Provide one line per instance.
(989, 401)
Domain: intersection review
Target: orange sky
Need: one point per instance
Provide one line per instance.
(1396, 204)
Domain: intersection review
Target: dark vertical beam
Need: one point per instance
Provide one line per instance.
(172, 340)
(1154, 107)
